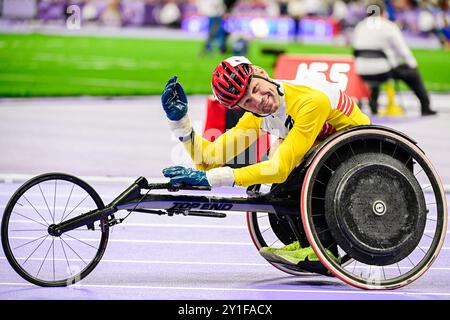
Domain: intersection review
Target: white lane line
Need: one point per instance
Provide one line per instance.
(142, 287)
(85, 209)
(180, 225)
(167, 225)
(202, 263)
(231, 243)
(57, 208)
(58, 196)
(188, 226)
(93, 82)
(105, 197)
(21, 178)
(184, 242)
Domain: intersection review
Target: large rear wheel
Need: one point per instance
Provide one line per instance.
(375, 195)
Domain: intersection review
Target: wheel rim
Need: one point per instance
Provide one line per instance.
(39, 257)
(415, 264)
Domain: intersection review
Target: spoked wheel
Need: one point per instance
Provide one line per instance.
(276, 231)
(263, 235)
(269, 230)
(37, 256)
(374, 194)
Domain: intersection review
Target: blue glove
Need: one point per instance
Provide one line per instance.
(174, 100)
(181, 175)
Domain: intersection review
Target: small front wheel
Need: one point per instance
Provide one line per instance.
(39, 257)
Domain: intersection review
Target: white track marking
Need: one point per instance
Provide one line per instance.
(360, 292)
(202, 263)
(186, 242)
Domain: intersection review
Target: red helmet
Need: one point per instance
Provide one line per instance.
(230, 80)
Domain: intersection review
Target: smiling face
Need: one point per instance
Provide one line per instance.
(261, 97)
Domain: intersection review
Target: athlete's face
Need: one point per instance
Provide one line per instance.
(261, 97)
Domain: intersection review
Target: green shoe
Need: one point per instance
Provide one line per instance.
(300, 255)
(270, 253)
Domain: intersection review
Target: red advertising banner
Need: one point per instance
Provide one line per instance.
(334, 68)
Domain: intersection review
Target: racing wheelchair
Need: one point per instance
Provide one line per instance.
(367, 194)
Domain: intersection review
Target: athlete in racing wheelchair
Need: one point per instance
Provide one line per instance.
(365, 204)
(300, 113)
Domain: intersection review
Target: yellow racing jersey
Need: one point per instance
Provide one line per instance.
(307, 111)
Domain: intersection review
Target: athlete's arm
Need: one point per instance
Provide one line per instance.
(211, 157)
(205, 154)
(309, 119)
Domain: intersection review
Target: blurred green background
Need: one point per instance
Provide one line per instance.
(33, 65)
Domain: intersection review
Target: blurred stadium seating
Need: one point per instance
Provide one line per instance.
(52, 59)
(254, 18)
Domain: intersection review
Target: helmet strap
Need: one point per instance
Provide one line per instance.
(256, 114)
(272, 82)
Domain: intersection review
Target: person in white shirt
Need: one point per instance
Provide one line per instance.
(381, 53)
(214, 10)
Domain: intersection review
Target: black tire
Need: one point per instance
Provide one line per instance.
(381, 272)
(68, 266)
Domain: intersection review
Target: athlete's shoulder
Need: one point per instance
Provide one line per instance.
(315, 83)
(306, 89)
(248, 120)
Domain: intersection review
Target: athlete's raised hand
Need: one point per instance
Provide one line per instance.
(174, 100)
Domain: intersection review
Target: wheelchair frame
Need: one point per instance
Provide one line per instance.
(282, 201)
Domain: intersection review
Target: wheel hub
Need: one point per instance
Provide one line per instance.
(375, 209)
(52, 231)
(379, 208)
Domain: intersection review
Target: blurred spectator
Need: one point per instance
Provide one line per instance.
(251, 8)
(283, 7)
(296, 10)
(170, 14)
(229, 5)
(239, 44)
(381, 53)
(51, 10)
(133, 12)
(390, 10)
(425, 18)
(215, 11)
(356, 11)
(339, 11)
(111, 16)
(91, 11)
(150, 8)
(442, 23)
